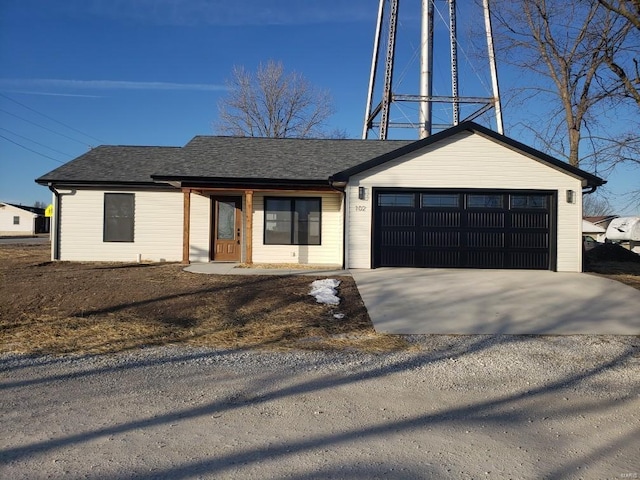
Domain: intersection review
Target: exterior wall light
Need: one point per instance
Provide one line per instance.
(571, 196)
(362, 193)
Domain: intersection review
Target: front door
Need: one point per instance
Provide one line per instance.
(227, 223)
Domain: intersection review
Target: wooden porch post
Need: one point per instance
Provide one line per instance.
(249, 227)
(186, 226)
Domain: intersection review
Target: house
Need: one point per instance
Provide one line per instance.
(464, 197)
(20, 220)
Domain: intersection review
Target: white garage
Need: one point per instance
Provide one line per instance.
(469, 198)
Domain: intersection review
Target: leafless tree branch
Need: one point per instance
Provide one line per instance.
(272, 103)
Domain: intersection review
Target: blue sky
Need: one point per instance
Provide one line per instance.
(79, 73)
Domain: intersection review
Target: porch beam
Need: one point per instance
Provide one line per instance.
(249, 226)
(204, 190)
(186, 226)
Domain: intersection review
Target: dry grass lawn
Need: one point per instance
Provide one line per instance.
(624, 272)
(77, 308)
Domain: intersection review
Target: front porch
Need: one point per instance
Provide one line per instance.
(236, 224)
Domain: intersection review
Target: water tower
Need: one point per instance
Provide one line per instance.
(468, 107)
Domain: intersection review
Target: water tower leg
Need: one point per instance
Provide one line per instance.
(426, 69)
(492, 64)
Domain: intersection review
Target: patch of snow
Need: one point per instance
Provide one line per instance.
(325, 291)
(339, 316)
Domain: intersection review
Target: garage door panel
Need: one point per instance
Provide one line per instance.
(399, 238)
(441, 258)
(530, 220)
(441, 219)
(441, 239)
(398, 218)
(486, 220)
(529, 261)
(485, 259)
(485, 239)
(463, 229)
(530, 240)
(399, 257)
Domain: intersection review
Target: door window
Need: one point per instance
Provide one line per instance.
(226, 220)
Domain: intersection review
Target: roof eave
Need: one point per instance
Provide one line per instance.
(102, 184)
(200, 182)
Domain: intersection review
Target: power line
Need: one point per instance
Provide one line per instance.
(45, 128)
(37, 143)
(51, 118)
(31, 150)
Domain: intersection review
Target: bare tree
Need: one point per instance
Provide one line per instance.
(563, 43)
(595, 205)
(625, 64)
(273, 103)
(575, 108)
(630, 9)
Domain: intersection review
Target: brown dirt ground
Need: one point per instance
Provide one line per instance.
(82, 307)
(615, 262)
(90, 307)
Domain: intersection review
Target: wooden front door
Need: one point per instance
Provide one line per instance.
(227, 223)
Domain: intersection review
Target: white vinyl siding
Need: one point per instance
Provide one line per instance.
(200, 228)
(328, 253)
(157, 227)
(466, 161)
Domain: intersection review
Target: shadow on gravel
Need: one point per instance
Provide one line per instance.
(511, 408)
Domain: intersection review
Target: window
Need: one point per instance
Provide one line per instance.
(292, 221)
(529, 201)
(119, 209)
(484, 201)
(396, 200)
(448, 200)
(16, 220)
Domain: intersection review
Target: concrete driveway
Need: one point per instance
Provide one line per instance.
(460, 301)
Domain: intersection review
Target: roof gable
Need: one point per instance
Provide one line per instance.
(590, 179)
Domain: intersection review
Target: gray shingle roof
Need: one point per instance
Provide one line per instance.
(221, 157)
(273, 158)
(113, 164)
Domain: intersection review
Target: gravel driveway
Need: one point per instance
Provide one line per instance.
(457, 407)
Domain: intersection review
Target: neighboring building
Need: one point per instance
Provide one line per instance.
(593, 230)
(591, 234)
(465, 197)
(20, 220)
(602, 222)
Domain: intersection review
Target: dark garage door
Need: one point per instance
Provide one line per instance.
(465, 229)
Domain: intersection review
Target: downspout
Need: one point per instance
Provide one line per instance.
(586, 191)
(55, 239)
(344, 220)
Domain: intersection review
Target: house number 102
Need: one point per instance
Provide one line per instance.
(361, 208)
